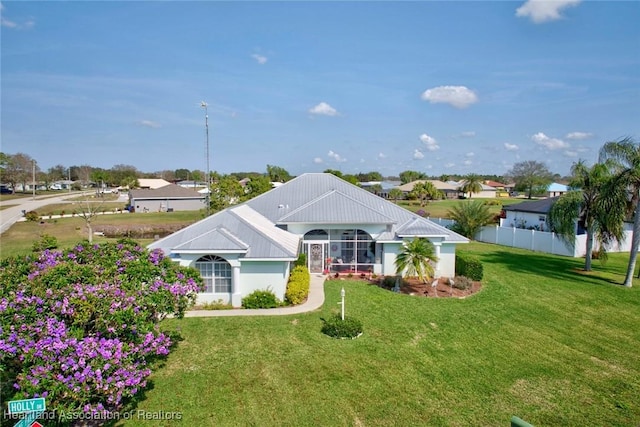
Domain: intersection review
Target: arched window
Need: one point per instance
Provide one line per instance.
(216, 273)
(316, 234)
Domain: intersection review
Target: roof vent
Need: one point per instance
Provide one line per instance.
(280, 206)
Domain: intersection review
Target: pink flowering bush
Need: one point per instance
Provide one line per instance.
(81, 327)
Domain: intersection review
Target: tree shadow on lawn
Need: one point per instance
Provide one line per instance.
(556, 267)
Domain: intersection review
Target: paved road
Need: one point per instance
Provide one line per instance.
(10, 215)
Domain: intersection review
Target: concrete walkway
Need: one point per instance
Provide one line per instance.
(313, 302)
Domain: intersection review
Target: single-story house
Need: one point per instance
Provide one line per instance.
(486, 191)
(166, 199)
(555, 189)
(502, 190)
(530, 215)
(341, 228)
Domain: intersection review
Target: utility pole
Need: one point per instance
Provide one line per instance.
(33, 179)
(208, 177)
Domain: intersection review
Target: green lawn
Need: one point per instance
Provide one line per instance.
(541, 341)
(19, 239)
(441, 208)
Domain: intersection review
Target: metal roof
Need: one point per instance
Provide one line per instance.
(541, 206)
(168, 191)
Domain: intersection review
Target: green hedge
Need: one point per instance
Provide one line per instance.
(298, 285)
(469, 266)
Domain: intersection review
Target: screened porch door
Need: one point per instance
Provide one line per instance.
(316, 255)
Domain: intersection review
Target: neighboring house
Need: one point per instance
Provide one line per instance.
(152, 183)
(555, 189)
(502, 190)
(341, 227)
(486, 192)
(529, 215)
(169, 198)
(194, 185)
(61, 185)
(449, 191)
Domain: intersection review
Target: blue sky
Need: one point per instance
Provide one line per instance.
(438, 87)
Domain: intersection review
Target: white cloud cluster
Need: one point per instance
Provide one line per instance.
(470, 154)
(467, 162)
(317, 160)
(323, 109)
(13, 24)
(544, 10)
(457, 96)
(149, 124)
(417, 154)
(430, 142)
(510, 147)
(578, 135)
(382, 155)
(336, 157)
(260, 59)
(549, 143)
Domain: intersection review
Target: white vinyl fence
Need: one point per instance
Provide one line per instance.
(540, 241)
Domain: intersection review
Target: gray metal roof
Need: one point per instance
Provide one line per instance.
(235, 229)
(168, 191)
(314, 198)
(541, 206)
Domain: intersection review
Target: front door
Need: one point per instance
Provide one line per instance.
(316, 257)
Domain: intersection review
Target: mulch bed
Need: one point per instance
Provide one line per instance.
(442, 290)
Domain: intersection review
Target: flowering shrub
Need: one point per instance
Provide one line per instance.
(81, 327)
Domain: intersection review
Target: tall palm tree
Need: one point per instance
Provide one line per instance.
(472, 184)
(596, 203)
(626, 153)
(415, 259)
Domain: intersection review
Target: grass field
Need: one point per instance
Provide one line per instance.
(19, 239)
(541, 341)
(441, 208)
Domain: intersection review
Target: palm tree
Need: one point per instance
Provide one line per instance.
(425, 190)
(472, 184)
(470, 217)
(395, 194)
(596, 204)
(626, 154)
(415, 259)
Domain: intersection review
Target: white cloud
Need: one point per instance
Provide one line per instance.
(470, 154)
(510, 147)
(149, 124)
(549, 143)
(382, 156)
(458, 96)
(336, 157)
(467, 162)
(449, 165)
(578, 135)
(324, 109)
(430, 142)
(468, 134)
(417, 154)
(317, 160)
(260, 59)
(571, 153)
(13, 24)
(544, 10)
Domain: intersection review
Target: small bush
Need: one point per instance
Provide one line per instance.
(46, 242)
(337, 328)
(217, 305)
(32, 216)
(469, 266)
(462, 282)
(298, 285)
(260, 299)
(389, 282)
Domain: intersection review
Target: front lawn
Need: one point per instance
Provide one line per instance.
(540, 341)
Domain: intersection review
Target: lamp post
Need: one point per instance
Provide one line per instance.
(206, 128)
